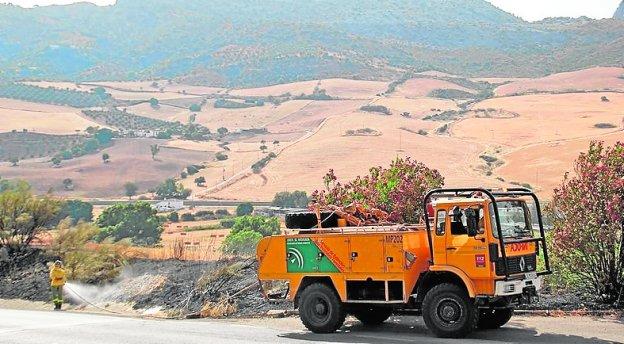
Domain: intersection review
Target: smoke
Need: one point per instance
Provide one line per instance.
(125, 288)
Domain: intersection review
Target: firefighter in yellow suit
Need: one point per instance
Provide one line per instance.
(57, 281)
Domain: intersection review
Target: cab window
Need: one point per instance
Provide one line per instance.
(440, 222)
(459, 224)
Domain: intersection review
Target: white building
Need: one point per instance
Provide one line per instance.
(169, 205)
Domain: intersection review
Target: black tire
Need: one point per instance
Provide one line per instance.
(308, 220)
(491, 319)
(448, 311)
(320, 309)
(372, 316)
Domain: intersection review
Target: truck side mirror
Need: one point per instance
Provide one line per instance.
(472, 222)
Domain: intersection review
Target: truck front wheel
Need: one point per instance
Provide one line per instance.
(490, 319)
(320, 309)
(372, 316)
(448, 311)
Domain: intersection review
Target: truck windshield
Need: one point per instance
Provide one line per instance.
(514, 219)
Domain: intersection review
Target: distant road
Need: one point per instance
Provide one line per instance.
(196, 203)
(34, 327)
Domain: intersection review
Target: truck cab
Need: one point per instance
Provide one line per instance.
(465, 266)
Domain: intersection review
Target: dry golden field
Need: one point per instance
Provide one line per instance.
(421, 87)
(130, 161)
(41, 118)
(592, 79)
(535, 137)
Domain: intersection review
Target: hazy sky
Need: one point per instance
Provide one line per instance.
(528, 9)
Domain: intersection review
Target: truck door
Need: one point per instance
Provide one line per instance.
(439, 237)
(367, 253)
(469, 254)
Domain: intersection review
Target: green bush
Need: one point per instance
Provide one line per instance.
(295, 199)
(170, 189)
(187, 217)
(264, 225)
(98, 265)
(137, 221)
(227, 223)
(241, 243)
(221, 156)
(174, 217)
(76, 211)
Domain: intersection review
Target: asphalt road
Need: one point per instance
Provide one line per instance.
(25, 327)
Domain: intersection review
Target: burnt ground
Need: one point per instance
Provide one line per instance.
(184, 288)
(179, 287)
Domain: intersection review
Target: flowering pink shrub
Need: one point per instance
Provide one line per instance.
(588, 223)
(399, 190)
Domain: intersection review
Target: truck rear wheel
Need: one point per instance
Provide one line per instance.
(448, 311)
(372, 316)
(490, 319)
(320, 309)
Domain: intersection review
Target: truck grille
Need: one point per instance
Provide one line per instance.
(516, 265)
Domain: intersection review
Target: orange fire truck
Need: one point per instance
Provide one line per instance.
(474, 257)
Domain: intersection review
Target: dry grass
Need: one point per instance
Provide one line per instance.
(41, 118)
(295, 88)
(130, 161)
(421, 87)
(542, 118)
(592, 79)
(218, 309)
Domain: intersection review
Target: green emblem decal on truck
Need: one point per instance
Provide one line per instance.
(302, 255)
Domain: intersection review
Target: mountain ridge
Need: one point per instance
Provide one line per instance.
(619, 13)
(276, 41)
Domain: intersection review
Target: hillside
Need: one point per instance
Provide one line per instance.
(619, 13)
(225, 43)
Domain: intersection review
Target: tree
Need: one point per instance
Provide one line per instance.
(155, 149)
(604, 98)
(187, 217)
(174, 217)
(247, 231)
(263, 148)
(261, 224)
(130, 189)
(100, 91)
(23, 216)
(398, 190)
(221, 156)
(76, 211)
(222, 131)
(154, 102)
(200, 181)
(170, 189)
(89, 265)
(14, 161)
(192, 169)
(68, 184)
(91, 145)
(244, 209)
(105, 158)
(56, 161)
(137, 221)
(104, 136)
(242, 243)
(295, 199)
(588, 209)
